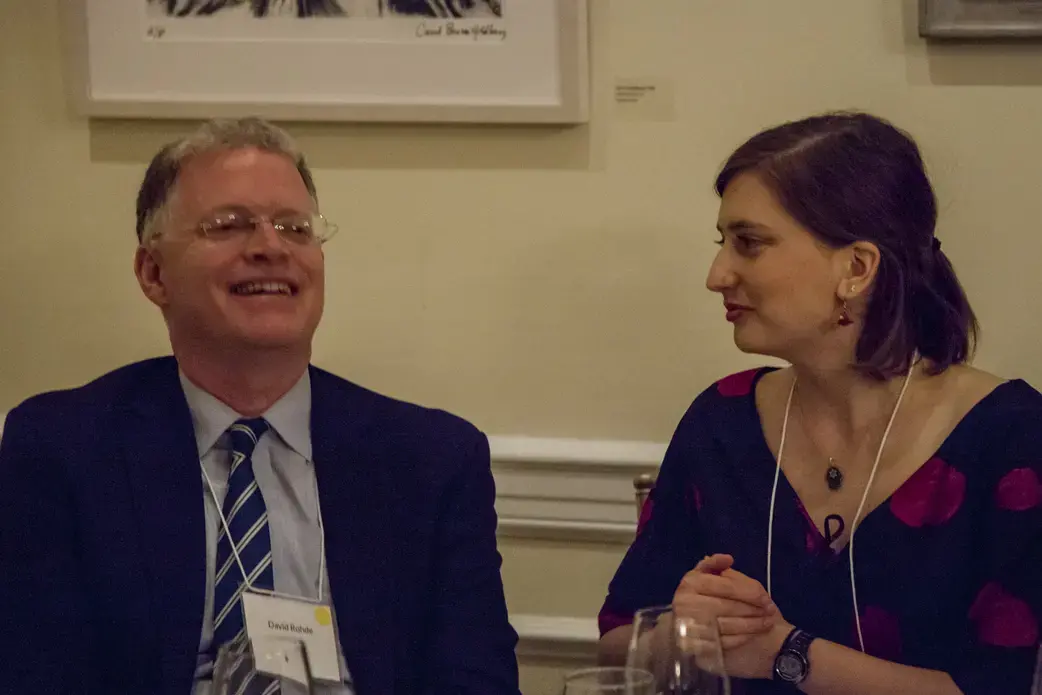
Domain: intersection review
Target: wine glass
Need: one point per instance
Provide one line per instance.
(258, 667)
(683, 653)
(609, 681)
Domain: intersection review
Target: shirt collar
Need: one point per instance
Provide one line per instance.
(289, 417)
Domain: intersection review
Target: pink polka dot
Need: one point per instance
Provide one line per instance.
(1003, 620)
(882, 633)
(740, 384)
(645, 514)
(1019, 490)
(931, 496)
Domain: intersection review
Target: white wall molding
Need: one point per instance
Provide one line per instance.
(556, 637)
(563, 451)
(571, 489)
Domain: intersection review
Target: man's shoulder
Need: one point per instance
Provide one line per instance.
(97, 396)
(386, 413)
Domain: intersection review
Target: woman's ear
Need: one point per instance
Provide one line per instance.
(862, 266)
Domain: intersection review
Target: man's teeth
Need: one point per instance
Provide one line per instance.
(262, 288)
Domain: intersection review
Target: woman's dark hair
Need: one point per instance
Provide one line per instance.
(851, 176)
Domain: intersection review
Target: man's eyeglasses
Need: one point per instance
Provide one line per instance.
(298, 229)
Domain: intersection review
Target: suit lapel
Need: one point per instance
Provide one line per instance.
(163, 469)
(353, 489)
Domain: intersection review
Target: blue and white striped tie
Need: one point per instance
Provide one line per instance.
(247, 519)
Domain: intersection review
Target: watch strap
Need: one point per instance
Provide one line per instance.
(796, 645)
(799, 641)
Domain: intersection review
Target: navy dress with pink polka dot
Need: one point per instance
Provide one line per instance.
(949, 568)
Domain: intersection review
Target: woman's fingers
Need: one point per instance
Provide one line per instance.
(729, 642)
(714, 564)
(731, 618)
(745, 626)
(729, 587)
(709, 606)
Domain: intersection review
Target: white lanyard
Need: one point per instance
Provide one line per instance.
(238, 560)
(864, 496)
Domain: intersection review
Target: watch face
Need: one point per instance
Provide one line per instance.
(791, 667)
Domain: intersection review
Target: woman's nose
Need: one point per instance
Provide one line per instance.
(721, 275)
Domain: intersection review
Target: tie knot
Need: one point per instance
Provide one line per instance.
(246, 432)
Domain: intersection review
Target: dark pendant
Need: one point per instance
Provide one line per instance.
(834, 478)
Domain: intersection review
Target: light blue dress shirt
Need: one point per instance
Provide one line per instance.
(285, 474)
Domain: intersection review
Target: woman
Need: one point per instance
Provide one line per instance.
(877, 471)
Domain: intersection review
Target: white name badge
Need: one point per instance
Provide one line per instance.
(274, 617)
(281, 658)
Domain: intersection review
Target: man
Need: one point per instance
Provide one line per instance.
(123, 503)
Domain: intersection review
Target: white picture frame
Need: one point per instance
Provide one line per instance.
(965, 20)
(527, 64)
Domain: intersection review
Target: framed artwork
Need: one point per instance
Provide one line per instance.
(980, 19)
(476, 61)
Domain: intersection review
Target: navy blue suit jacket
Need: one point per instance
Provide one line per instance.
(102, 542)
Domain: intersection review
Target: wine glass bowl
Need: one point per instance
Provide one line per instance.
(609, 681)
(682, 652)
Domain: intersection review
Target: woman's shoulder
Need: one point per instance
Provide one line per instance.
(999, 441)
(979, 390)
(997, 414)
(737, 385)
(723, 417)
(731, 396)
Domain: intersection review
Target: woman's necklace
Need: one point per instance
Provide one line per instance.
(833, 473)
(833, 476)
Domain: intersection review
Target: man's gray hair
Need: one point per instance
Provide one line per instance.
(160, 179)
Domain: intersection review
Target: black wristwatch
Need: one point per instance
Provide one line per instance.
(792, 665)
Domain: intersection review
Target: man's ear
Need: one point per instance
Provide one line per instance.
(148, 270)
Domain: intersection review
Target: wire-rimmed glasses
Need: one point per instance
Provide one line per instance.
(296, 228)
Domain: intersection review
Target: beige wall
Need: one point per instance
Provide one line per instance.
(540, 282)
